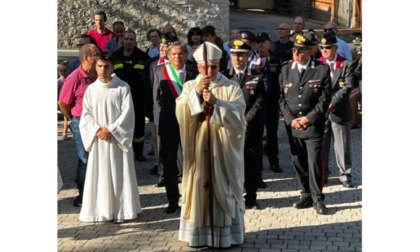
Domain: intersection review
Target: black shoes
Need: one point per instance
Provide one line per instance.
(161, 181)
(140, 158)
(320, 207)
(253, 205)
(307, 202)
(262, 184)
(303, 203)
(171, 209)
(347, 183)
(78, 201)
(276, 168)
(154, 170)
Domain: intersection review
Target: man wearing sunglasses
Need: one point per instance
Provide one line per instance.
(71, 104)
(339, 112)
(343, 48)
(304, 96)
(283, 46)
(75, 63)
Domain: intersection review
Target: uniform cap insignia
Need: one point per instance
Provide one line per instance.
(300, 39)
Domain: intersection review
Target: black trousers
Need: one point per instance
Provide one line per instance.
(306, 157)
(168, 149)
(253, 159)
(272, 125)
(139, 124)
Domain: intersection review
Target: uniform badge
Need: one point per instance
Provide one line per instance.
(341, 83)
(251, 85)
(286, 87)
(315, 85)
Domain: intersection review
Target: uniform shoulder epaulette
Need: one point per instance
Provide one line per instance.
(286, 62)
(318, 61)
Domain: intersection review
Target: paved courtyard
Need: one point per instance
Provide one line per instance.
(277, 227)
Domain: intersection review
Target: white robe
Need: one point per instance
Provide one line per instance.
(227, 128)
(111, 190)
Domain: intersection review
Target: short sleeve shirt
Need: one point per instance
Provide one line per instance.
(73, 89)
(101, 38)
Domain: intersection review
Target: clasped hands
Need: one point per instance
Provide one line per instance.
(300, 123)
(203, 88)
(103, 133)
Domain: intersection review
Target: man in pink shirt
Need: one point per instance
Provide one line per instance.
(71, 102)
(100, 33)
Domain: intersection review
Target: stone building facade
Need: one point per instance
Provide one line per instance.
(75, 17)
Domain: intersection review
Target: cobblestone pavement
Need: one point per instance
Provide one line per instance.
(277, 227)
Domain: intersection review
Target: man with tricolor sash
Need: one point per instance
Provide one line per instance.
(152, 108)
(167, 86)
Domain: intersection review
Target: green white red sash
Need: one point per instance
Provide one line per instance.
(173, 80)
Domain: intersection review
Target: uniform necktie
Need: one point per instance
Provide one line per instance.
(301, 72)
(331, 69)
(240, 75)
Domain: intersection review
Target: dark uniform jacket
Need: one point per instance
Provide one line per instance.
(341, 84)
(308, 96)
(131, 70)
(255, 99)
(271, 70)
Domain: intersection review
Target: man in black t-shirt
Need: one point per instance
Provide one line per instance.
(283, 46)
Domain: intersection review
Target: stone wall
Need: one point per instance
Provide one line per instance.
(75, 17)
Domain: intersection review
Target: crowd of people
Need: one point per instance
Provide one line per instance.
(215, 108)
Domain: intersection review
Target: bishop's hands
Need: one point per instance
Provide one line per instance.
(300, 123)
(103, 133)
(203, 88)
(203, 84)
(209, 97)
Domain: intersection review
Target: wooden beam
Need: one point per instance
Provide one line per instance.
(340, 31)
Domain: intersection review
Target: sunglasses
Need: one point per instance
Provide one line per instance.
(326, 47)
(329, 29)
(80, 45)
(211, 66)
(299, 51)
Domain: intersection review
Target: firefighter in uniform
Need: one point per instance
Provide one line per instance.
(129, 67)
(304, 97)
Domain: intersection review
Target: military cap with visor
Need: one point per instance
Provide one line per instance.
(238, 46)
(302, 42)
(263, 36)
(168, 38)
